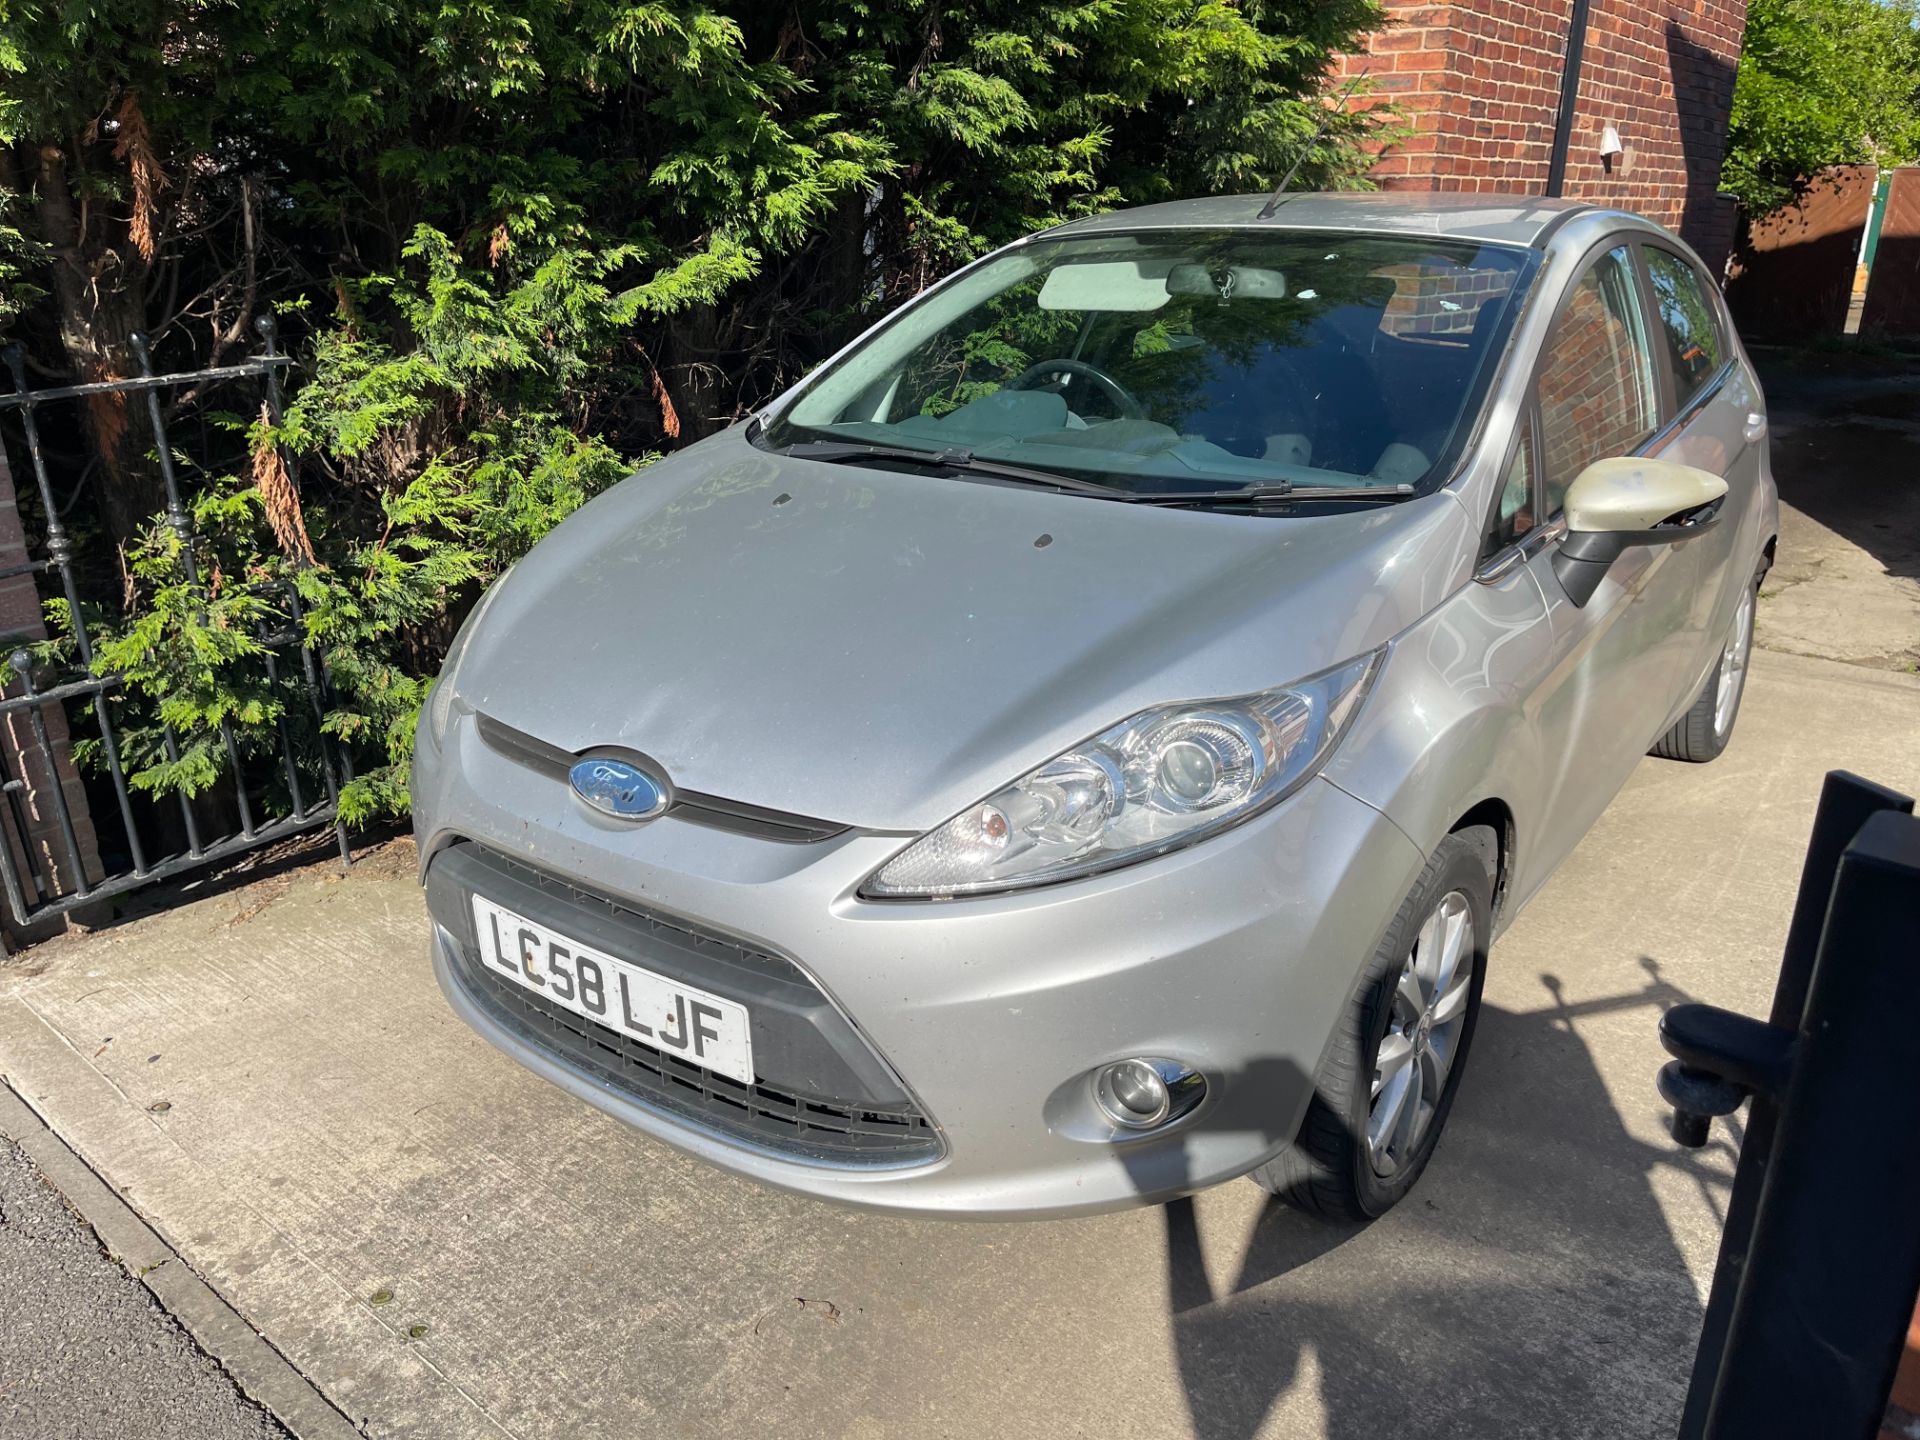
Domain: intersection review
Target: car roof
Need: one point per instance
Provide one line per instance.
(1500, 219)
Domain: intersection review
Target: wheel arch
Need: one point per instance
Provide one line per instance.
(1495, 815)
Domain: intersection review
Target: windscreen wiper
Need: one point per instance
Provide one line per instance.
(960, 458)
(953, 458)
(1262, 497)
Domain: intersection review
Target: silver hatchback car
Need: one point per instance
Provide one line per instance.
(1079, 744)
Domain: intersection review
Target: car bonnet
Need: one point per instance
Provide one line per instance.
(880, 648)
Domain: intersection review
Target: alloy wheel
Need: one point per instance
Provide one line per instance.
(1430, 1001)
(1733, 667)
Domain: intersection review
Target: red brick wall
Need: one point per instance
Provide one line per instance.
(1480, 85)
(20, 621)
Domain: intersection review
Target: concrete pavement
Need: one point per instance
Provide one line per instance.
(1846, 453)
(448, 1247)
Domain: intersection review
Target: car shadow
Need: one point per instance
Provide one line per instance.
(1531, 1272)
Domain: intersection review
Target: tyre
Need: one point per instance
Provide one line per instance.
(1395, 1063)
(1702, 733)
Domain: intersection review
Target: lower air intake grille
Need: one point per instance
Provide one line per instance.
(782, 1119)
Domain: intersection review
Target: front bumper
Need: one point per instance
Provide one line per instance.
(1236, 956)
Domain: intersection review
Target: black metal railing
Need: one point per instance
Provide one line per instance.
(159, 836)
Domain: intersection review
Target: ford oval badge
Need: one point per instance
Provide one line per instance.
(613, 787)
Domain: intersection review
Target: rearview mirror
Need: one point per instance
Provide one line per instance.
(1616, 504)
(1235, 282)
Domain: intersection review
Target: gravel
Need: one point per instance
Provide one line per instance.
(86, 1353)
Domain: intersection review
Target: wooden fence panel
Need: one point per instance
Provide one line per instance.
(1792, 275)
(1893, 290)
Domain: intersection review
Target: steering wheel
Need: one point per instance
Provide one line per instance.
(1122, 398)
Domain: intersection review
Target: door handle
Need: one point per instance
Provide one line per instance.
(1755, 429)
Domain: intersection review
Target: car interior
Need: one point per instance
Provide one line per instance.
(1318, 370)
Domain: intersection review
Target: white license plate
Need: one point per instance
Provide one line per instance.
(675, 1019)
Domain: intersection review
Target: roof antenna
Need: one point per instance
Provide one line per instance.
(1273, 202)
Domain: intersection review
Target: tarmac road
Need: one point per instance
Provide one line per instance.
(86, 1353)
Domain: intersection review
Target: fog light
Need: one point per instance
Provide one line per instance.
(1140, 1094)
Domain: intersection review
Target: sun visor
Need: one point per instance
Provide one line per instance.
(1106, 285)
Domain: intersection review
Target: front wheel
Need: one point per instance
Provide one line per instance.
(1395, 1064)
(1703, 732)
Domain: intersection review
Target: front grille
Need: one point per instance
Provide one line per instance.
(713, 811)
(787, 1121)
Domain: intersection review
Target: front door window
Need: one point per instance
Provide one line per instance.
(1595, 385)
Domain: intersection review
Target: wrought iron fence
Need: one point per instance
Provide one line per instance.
(293, 784)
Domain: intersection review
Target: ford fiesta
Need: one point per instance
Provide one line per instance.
(1079, 745)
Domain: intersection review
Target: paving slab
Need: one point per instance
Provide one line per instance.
(449, 1247)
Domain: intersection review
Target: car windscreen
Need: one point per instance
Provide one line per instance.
(1185, 359)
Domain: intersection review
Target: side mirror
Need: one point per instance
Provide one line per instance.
(1614, 505)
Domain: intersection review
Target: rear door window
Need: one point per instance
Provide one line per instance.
(1595, 386)
(1687, 326)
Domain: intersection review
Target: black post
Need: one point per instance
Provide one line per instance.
(182, 526)
(16, 890)
(320, 692)
(318, 688)
(1846, 804)
(172, 744)
(60, 551)
(266, 638)
(1819, 1320)
(276, 408)
(1569, 98)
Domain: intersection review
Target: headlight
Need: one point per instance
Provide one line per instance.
(440, 700)
(1162, 779)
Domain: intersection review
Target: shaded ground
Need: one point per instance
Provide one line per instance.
(85, 1351)
(1846, 456)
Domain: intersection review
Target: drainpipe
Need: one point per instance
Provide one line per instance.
(1569, 93)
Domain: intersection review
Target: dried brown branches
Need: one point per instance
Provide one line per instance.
(277, 494)
(669, 417)
(135, 146)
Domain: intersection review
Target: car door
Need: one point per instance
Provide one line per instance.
(1717, 424)
(1617, 662)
